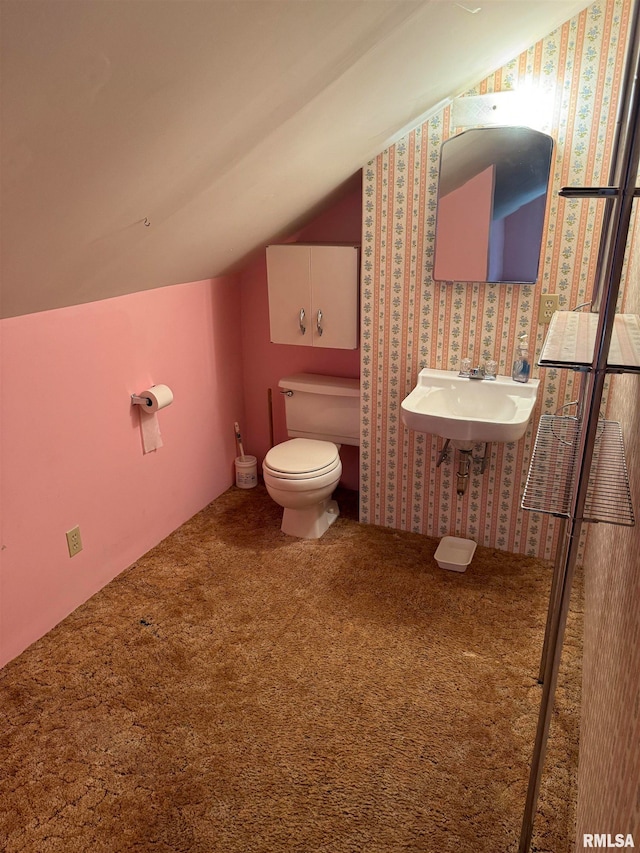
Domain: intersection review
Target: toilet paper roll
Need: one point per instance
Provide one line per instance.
(159, 397)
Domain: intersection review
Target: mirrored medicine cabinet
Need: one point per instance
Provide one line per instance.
(492, 197)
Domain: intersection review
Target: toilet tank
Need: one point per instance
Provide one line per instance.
(323, 407)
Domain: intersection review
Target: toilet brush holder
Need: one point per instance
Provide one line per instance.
(246, 472)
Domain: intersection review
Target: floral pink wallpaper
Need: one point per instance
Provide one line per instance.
(409, 321)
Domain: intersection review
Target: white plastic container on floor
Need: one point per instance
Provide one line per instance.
(246, 472)
(454, 553)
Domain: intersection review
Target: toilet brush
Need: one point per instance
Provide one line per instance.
(236, 426)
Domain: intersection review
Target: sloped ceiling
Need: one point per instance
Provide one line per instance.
(147, 143)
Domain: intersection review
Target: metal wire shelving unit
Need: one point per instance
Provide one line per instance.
(578, 469)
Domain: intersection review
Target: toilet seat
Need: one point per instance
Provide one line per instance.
(301, 459)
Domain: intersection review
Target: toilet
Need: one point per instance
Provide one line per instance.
(301, 474)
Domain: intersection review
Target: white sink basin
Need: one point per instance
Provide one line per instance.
(456, 407)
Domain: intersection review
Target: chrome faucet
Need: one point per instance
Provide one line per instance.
(483, 371)
(477, 372)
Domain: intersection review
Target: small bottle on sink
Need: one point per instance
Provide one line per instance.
(521, 366)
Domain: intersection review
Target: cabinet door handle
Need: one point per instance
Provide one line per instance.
(303, 328)
(319, 323)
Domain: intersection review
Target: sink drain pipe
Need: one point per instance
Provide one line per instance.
(462, 476)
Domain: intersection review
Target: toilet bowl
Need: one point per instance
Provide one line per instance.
(301, 475)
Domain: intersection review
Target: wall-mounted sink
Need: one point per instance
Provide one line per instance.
(456, 407)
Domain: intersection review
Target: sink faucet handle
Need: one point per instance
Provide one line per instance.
(465, 367)
(490, 369)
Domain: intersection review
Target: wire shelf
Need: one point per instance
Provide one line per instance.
(551, 473)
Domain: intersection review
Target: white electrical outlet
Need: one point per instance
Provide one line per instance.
(74, 541)
(549, 304)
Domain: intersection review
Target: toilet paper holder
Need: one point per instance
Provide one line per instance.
(141, 401)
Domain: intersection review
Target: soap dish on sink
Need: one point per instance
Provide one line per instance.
(454, 553)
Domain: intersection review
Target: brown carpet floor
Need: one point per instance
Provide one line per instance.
(237, 690)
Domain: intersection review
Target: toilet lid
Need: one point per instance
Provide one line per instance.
(302, 456)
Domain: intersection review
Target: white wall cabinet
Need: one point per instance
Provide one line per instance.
(313, 295)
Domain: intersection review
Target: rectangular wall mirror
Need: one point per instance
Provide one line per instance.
(492, 198)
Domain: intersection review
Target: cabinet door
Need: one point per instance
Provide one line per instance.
(288, 274)
(334, 293)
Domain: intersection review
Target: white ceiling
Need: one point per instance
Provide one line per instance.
(224, 123)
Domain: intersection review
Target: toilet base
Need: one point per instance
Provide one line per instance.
(310, 522)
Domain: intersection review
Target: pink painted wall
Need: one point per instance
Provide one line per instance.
(71, 450)
(265, 363)
(71, 447)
